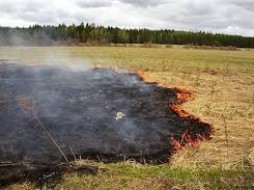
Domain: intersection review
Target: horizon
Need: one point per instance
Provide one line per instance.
(126, 28)
(212, 16)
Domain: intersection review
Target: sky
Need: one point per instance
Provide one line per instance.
(217, 16)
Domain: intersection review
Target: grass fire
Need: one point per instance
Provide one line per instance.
(126, 94)
(100, 114)
(117, 117)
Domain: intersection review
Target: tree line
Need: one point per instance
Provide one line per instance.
(90, 33)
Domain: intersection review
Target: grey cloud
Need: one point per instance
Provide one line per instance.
(33, 6)
(46, 18)
(245, 4)
(10, 7)
(209, 15)
(7, 7)
(144, 3)
(94, 3)
(37, 12)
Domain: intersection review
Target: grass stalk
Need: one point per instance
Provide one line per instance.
(27, 105)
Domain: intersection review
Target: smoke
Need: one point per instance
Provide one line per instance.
(78, 107)
(60, 57)
(24, 37)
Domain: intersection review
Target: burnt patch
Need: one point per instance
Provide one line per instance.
(41, 174)
(97, 113)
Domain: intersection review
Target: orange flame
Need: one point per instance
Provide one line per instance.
(183, 95)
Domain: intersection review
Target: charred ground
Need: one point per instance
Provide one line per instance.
(96, 113)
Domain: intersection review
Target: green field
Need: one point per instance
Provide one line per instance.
(223, 84)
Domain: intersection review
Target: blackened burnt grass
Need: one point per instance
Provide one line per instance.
(53, 114)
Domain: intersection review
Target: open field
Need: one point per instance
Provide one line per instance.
(223, 84)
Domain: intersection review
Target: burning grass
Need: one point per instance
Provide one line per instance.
(183, 95)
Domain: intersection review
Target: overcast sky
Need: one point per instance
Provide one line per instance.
(227, 16)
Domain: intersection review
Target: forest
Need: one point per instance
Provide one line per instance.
(93, 34)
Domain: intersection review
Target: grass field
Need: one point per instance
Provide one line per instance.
(223, 84)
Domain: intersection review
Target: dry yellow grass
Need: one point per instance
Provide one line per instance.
(223, 83)
(227, 103)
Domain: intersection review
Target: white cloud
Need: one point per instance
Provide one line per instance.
(229, 16)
